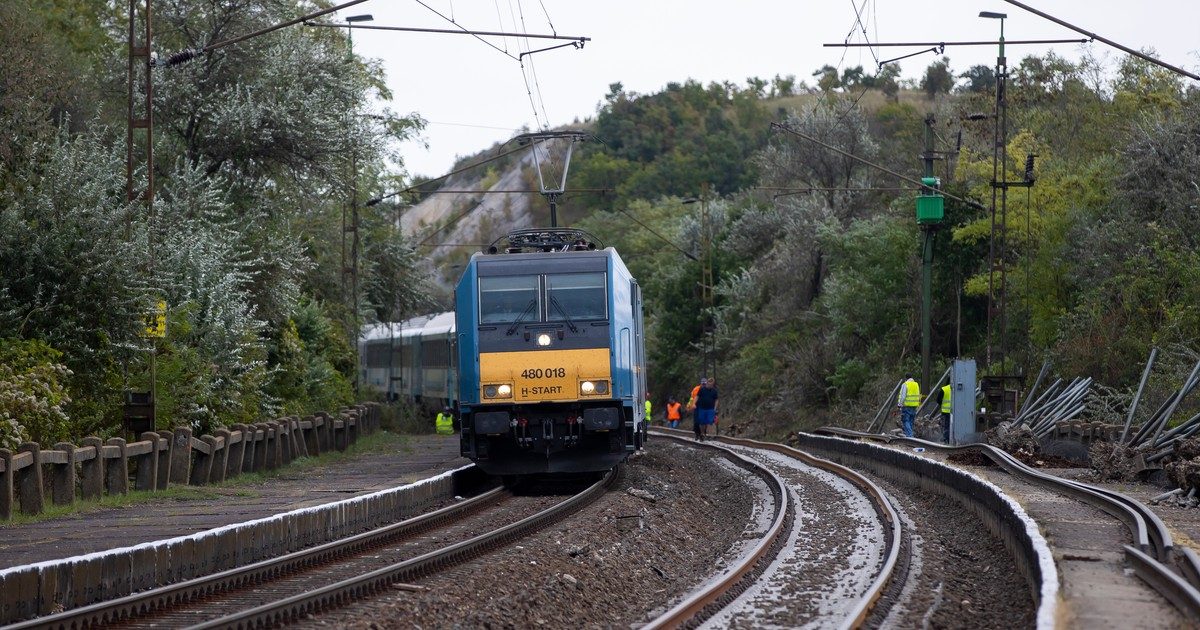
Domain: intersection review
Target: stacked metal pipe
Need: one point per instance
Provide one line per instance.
(1058, 403)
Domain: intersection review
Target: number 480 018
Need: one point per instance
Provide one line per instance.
(554, 372)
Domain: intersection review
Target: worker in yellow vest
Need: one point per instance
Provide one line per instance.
(648, 416)
(445, 422)
(908, 400)
(945, 396)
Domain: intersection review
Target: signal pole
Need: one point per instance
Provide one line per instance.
(931, 212)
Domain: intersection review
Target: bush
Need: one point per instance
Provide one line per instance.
(32, 393)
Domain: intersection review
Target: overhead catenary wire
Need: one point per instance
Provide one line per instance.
(1105, 40)
(441, 177)
(575, 39)
(889, 171)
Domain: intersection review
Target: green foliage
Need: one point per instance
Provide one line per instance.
(33, 396)
(938, 78)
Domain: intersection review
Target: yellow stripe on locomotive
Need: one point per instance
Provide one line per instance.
(545, 375)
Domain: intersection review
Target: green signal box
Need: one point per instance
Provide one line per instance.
(931, 205)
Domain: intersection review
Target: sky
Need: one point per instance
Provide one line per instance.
(473, 95)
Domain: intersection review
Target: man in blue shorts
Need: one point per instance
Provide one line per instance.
(706, 408)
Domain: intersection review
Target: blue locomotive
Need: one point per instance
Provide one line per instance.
(551, 359)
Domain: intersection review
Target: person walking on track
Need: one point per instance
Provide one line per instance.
(674, 413)
(648, 409)
(706, 408)
(908, 400)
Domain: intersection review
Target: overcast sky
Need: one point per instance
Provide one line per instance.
(473, 95)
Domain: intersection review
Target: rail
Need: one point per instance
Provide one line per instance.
(713, 591)
(1153, 554)
(337, 594)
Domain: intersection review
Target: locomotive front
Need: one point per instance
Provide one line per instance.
(551, 361)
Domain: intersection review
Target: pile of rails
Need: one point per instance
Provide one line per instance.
(1152, 443)
(1058, 403)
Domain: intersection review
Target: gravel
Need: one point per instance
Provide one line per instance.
(959, 576)
(678, 516)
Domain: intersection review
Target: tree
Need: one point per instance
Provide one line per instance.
(885, 80)
(783, 86)
(828, 78)
(938, 79)
(980, 79)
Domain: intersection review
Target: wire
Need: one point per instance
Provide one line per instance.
(547, 17)
(863, 28)
(443, 16)
(660, 236)
(441, 177)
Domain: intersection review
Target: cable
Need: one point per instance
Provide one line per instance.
(660, 236)
(451, 173)
(863, 28)
(547, 17)
(441, 15)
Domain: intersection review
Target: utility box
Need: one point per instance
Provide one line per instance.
(931, 205)
(138, 414)
(962, 401)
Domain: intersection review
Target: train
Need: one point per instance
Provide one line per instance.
(546, 363)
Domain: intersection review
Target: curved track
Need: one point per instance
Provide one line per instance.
(1171, 571)
(286, 606)
(722, 589)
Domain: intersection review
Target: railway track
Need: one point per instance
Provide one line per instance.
(1174, 572)
(752, 568)
(281, 589)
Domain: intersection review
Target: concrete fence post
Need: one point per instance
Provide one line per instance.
(274, 447)
(260, 447)
(311, 440)
(116, 469)
(283, 436)
(6, 484)
(29, 480)
(91, 470)
(62, 476)
(146, 477)
(202, 467)
(237, 453)
(298, 442)
(181, 456)
(221, 459)
(355, 419)
(164, 461)
(323, 443)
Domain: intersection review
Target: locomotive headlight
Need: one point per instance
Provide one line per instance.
(593, 388)
(497, 391)
(543, 340)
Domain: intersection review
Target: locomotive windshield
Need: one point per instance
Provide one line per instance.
(576, 296)
(503, 299)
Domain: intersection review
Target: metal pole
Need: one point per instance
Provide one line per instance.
(1137, 397)
(1032, 390)
(928, 232)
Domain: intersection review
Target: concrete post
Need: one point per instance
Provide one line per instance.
(92, 471)
(202, 468)
(311, 441)
(181, 456)
(275, 447)
(62, 476)
(221, 460)
(260, 447)
(237, 453)
(29, 480)
(6, 484)
(282, 436)
(248, 454)
(298, 443)
(326, 432)
(146, 477)
(164, 462)
(116, 469)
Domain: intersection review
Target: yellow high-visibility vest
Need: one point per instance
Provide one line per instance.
(648, 414)
(946, 399)
(444, 424)
(910, 396)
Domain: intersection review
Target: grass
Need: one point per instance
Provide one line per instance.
(380, 442)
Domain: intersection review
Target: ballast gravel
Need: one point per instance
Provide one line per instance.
(675, 519)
